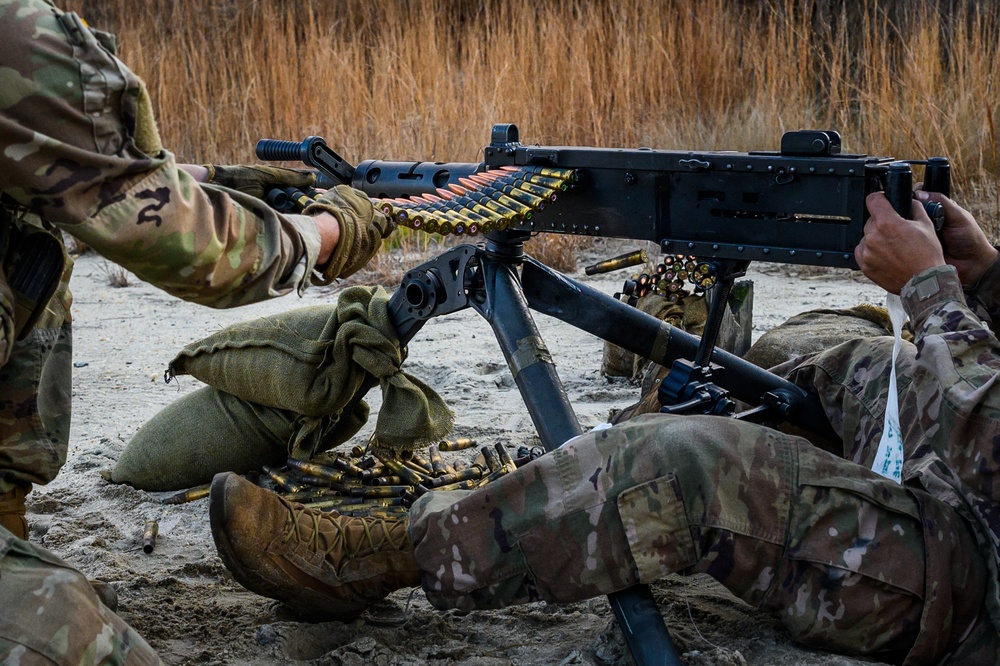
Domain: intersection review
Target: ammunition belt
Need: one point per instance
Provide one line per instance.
(492, 200)
(670, 278)
(483, 202)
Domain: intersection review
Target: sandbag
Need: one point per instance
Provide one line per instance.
(817, 330)
(313, 362)
(801, 334)
(209, 431)
(284, 361)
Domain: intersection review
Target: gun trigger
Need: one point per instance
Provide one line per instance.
(695, 164)
(783, 179)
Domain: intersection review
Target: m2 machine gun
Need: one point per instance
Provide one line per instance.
(804, 204)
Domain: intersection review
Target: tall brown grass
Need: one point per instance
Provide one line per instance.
(425, 79)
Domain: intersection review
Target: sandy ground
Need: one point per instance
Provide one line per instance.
(186, 605)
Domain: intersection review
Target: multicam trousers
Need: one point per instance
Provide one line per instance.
(35, 391)
(35, 627)
(848, 560)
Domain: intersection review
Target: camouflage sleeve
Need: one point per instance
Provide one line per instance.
(955, 370)
(984, 296)
(202, 243)
(69, 152)
(936, 304)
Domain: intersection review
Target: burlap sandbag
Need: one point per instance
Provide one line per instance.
(816, 330)
(313, 361)
(208, 431)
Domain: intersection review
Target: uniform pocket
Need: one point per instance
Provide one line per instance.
(110, 89)
(858, 526)
(656, 528)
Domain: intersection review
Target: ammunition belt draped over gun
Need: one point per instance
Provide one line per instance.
(803, 204)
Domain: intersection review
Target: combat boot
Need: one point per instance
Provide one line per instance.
(12, 511)
(323, 565)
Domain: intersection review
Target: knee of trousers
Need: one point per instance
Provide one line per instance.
(607, 510)
(52, 613)
(716, 461)
(956, 580)
(722, 490)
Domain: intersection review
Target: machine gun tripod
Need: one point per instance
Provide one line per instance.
(503, 285)
(803, 205)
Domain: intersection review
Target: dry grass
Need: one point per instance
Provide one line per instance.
(115, 275)
(426, 79)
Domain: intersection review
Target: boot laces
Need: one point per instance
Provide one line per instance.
(339, 543)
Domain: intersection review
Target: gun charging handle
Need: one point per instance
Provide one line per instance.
(899, 192)
(312, 151)
(899, 189)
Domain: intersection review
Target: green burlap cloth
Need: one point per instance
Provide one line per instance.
(209, 431)
(313, 362)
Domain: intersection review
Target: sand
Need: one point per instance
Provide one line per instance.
(184, 602)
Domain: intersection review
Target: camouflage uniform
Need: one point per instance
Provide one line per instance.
(51, 614)
(68, 115)
(848, 560)
(71, 155)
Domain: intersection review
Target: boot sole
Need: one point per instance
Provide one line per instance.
(217, 519)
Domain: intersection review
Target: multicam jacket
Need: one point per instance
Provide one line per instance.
(69, 161)
(958, 423)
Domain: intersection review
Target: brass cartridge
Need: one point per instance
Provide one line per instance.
(473, 473)
(374, 492)
(636, 258)
(408, 474)
(457, 445)
(149, 533)
(438, 464)
(282, 480)
(317, 470)
(189, 495)
(492, 461)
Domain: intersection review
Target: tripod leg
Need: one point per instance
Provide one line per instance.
(556, 295)
(642, 625)
(506, 310)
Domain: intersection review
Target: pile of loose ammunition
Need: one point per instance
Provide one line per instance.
(495, 199)
(365, 484)
(669, 279)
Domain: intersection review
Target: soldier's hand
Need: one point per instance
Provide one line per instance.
(964, 243)
(362, 228)
(258, 180)
(893, 250)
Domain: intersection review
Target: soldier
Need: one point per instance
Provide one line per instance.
(850, 561)
(80, 153)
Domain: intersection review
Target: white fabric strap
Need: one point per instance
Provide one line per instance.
(889, 458)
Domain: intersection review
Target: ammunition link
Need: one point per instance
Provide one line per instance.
(495, 199)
